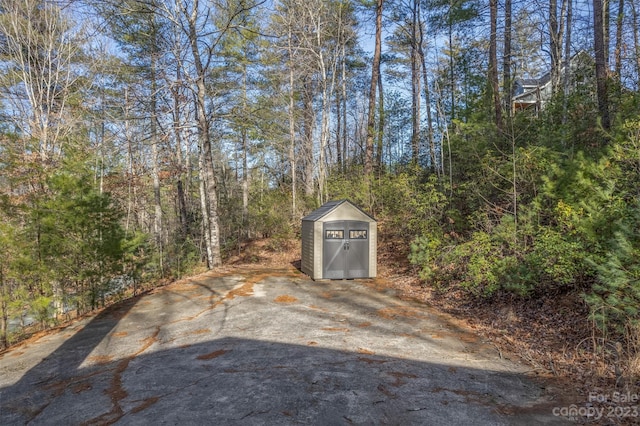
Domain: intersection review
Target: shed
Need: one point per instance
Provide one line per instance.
(339, 241)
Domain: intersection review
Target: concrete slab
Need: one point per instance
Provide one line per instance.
(266, 347)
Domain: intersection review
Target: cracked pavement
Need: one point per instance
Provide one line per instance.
(260, 347)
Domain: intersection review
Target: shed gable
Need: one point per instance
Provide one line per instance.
(338, 210)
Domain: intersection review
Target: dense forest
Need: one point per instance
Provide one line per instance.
(141, 139)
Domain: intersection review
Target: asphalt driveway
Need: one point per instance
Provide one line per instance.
(266, 347)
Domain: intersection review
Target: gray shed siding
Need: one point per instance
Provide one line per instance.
(307, 248)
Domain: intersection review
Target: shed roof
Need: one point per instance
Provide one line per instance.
(328, 207)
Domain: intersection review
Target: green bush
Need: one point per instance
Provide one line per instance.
(42, 309)
(615, 297)
(557, 259)
(479, 257)
(270, 215)
(351, 186)
(478, 264)
(425, 252)
(500, 260)
(406, 203)
(410, 203)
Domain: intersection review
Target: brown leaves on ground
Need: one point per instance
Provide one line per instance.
(269, 253)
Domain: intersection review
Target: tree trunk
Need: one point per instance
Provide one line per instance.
(180, 193)
(344, 109)
(327, 70)
(324, 127)
(338, 99)
(375, 71)
(567, 63)
(601, 63)
(309, 120)
(506, 61)
(452, 75)
(245, 185)
(341, 95)
(158, 231)
(606, 29)
(182, 207)
(636, 40)
(202, 187)
(416, 93)
(618, 48)
(131, 187)
(4, 315)
(427, 96)
(209, 186)
(493, 65)
(292, 126)
(245, 154)
(554, 44)
(381, 121)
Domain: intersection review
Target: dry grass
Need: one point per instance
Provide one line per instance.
(632, 354)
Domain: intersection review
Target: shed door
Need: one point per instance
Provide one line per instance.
(345, 249)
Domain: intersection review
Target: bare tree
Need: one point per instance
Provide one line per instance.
(506, 59)
(177, 96)
(314, 37)
(427, 95)
(39, 48)
(293, 165)
(375, 71)
(291, 22)
(494, 84)
(554, 42)
(636, 40)
(203, 26)
(192, 15)
(618, 45)
(416, 92)
(601, 62)
(567, 62)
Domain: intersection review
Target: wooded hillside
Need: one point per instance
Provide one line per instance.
(498, 142)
